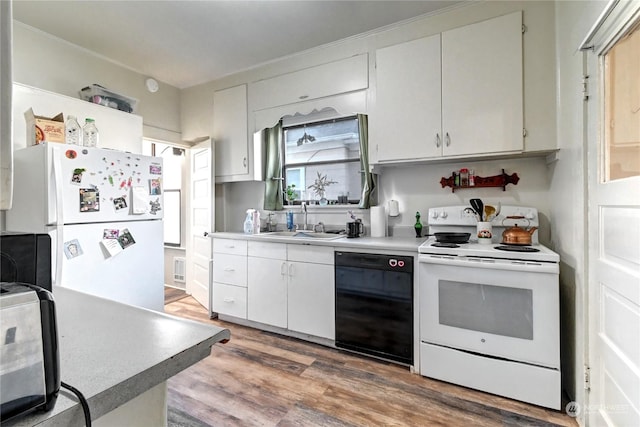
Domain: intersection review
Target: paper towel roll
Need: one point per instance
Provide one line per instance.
(393, 208)
(378, 221)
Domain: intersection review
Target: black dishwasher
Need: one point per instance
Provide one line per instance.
(374, 305)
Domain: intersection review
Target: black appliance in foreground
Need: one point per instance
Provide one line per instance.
(374, 305)
(29, 357)
(26, 258)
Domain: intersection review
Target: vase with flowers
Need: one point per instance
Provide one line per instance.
(319, 187)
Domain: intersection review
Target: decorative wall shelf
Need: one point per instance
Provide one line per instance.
(501, 180)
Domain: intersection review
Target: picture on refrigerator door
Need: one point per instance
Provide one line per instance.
(155, 206)
(125, 239)
(76, 178)
(119, 203)
(110, 233)
(155, 169)
(155, 189)
(72, 249)
(89, 200)
(112, 246)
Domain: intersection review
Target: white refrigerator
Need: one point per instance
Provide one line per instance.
(103, 211)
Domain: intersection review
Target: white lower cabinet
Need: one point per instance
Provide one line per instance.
(230, 300)
(311, 302)
(230, 277)
(292, 287)
(267, 291)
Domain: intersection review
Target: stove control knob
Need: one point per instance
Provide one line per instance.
(529, 216)
(443, 214)
(434, 214)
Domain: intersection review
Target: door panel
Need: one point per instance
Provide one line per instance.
(614, 230)
(201, 218)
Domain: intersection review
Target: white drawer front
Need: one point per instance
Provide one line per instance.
(230, 300)
(310, 253)
(230, 269)
(230, 246)
(267, 250)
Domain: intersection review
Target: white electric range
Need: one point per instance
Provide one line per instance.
(489, 318)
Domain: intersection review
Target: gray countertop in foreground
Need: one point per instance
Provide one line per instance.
(113, 352)
(392, 243)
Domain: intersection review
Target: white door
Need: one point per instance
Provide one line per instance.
(201, 223)
(613, 126)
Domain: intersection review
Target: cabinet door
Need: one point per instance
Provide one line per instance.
(230, 269)
(230, 133)
(311, 304)
(406, 119)
(267, 291)
(342, 76)
(230, 300)
(482, 87)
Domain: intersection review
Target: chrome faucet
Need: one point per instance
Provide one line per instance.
(304, 209)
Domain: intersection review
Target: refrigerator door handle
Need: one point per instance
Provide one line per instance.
(58, 221)
(57, 186)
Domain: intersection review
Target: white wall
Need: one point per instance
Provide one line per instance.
(568, 204)
(46, 62)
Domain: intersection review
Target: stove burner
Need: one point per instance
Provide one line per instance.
(445, 245)
(517, 248)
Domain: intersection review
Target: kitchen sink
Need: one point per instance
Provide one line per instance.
(302, 235)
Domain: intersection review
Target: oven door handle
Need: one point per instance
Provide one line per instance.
(491, 264)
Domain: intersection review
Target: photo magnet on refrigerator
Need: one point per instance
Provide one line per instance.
(76, 178)
(126, 239)
(89, 200)
(72, 249)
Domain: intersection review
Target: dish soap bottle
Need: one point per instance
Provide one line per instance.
(418, 225)
(248, 222)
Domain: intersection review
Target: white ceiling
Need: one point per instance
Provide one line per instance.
(185, 43)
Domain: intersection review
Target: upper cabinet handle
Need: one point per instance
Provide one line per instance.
(244, 162)
(438, 143)
(447, 140)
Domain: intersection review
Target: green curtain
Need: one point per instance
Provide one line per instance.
(273, 192)
(368, 179)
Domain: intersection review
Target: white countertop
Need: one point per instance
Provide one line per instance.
(391, 243)
(113, 352)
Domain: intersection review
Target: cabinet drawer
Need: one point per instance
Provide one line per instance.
(267, 250)
(230, 300)
(311, 254)
(345, 75)
(230, 246)
(230, 269)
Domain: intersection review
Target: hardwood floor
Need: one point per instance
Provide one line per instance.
(264, 379)
(173, 294)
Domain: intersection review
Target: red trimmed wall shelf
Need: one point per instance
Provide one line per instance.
(490, 181)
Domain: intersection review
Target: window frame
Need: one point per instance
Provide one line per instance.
(303, 166)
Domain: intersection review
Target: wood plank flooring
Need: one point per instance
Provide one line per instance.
(264, 379)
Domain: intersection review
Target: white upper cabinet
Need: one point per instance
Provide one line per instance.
(482, 87)
(406, 121)
(455, 94)
(230, 133)
(342, 76)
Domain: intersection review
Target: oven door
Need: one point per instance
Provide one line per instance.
(502, 308)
